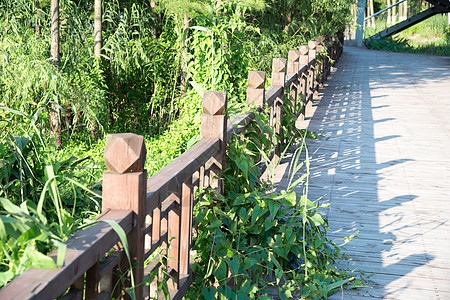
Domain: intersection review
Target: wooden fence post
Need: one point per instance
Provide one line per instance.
(293, 67)
(214, 126)
(278, 71)
(276, 111)
(125, 188)
(256, 88)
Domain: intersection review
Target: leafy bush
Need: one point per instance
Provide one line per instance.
(252, 243)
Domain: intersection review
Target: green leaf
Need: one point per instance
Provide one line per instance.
(209, 292)
(201, 28)
(304, 200)
(14, 111)
(269, 224)
(299, 180)
(54, 194)
(226, 293)
(14, 228)
(61, 252)
(35, 259)
(193, 140)
(123, 238)
(273, 208)
(291, 197)
(2, 229)
(249, 262)
(215, 224)
(5, 277)
(278, 274)
(233, 263)
(230, 253)
(244, 214)
(317, 219)
(337, 284)
(9, 206)
(242, 163)
(257, 213)
(221, 271)
(197, 87)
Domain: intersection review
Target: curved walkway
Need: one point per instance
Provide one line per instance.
(382, 160)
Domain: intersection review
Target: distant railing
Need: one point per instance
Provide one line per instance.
(157, 213)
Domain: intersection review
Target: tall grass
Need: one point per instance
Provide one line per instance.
(431, 36)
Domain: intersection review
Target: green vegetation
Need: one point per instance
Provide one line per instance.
(431, 36)
(251, 243)
(157, 58)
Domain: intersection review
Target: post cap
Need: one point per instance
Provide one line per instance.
(214, 103)
(304, 50)
(125, 153)
(256, 79)
(279, 65)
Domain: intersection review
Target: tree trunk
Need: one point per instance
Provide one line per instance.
(184, 71)
(55, 125)
(404, 11)
(97, 53)
(371, 12)
(38, 19)
(389, 12)
(394, 13)
(97, 28)
(288, 21)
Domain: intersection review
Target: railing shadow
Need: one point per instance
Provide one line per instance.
(357, 167)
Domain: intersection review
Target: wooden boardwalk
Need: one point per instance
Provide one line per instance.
(382, 159)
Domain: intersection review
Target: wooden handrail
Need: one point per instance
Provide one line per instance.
(157, 212)
(84, 249)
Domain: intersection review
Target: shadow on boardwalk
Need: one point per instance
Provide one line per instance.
(382, 159)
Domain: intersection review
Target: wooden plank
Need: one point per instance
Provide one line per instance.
(273, 93)
(182, 290)
(84, 248)
(291, 78)
(382, 171)
(92, 279)
(186, 229)
(174, 238)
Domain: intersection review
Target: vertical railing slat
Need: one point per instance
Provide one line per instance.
(92, 279)
(186, 228)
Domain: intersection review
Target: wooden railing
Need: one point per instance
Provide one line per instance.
(157, 213)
